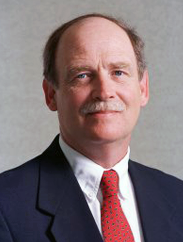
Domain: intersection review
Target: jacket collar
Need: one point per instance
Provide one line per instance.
(61, 197)
(156, 211)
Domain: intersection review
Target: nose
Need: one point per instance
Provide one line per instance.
(103, 88)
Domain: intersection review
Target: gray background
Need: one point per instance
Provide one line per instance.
(27, 126)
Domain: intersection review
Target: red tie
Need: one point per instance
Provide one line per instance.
(115, 227)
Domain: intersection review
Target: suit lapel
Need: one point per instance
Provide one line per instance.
(155, 210)
(61, 197)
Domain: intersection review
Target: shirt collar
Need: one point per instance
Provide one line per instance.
(89, 174)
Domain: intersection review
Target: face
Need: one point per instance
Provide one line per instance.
(95, 62)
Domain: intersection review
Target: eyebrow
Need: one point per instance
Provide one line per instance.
(77, 68)
(119, 65)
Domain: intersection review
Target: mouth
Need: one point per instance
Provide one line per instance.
(103, 113)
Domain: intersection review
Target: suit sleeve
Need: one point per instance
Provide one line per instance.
(5, 235)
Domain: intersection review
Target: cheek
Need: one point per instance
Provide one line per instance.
(131, 96)
(73, 99)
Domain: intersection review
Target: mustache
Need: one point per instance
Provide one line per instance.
(97, 106)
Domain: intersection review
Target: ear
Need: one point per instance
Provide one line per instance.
(49, 92)
(144, 88)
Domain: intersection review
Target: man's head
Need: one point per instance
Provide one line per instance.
(50, 50)
(98, 95)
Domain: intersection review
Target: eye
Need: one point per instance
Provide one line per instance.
(118, 73)
(82, 76)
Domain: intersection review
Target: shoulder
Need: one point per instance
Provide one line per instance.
(27, 174)
(152, 172)
(20, 180)
(156, 179)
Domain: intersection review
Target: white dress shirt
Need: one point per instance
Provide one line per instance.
(89, 175)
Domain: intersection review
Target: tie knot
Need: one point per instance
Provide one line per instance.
(109, 183)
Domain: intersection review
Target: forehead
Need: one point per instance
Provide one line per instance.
(94, 35)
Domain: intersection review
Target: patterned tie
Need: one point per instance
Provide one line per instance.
(115, 226)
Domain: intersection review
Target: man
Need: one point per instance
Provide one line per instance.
(96, 79)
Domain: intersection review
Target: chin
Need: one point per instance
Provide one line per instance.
(105, 136)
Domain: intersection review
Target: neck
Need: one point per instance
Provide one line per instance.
(105, 154)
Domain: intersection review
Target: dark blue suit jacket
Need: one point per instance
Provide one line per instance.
(41, 201)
